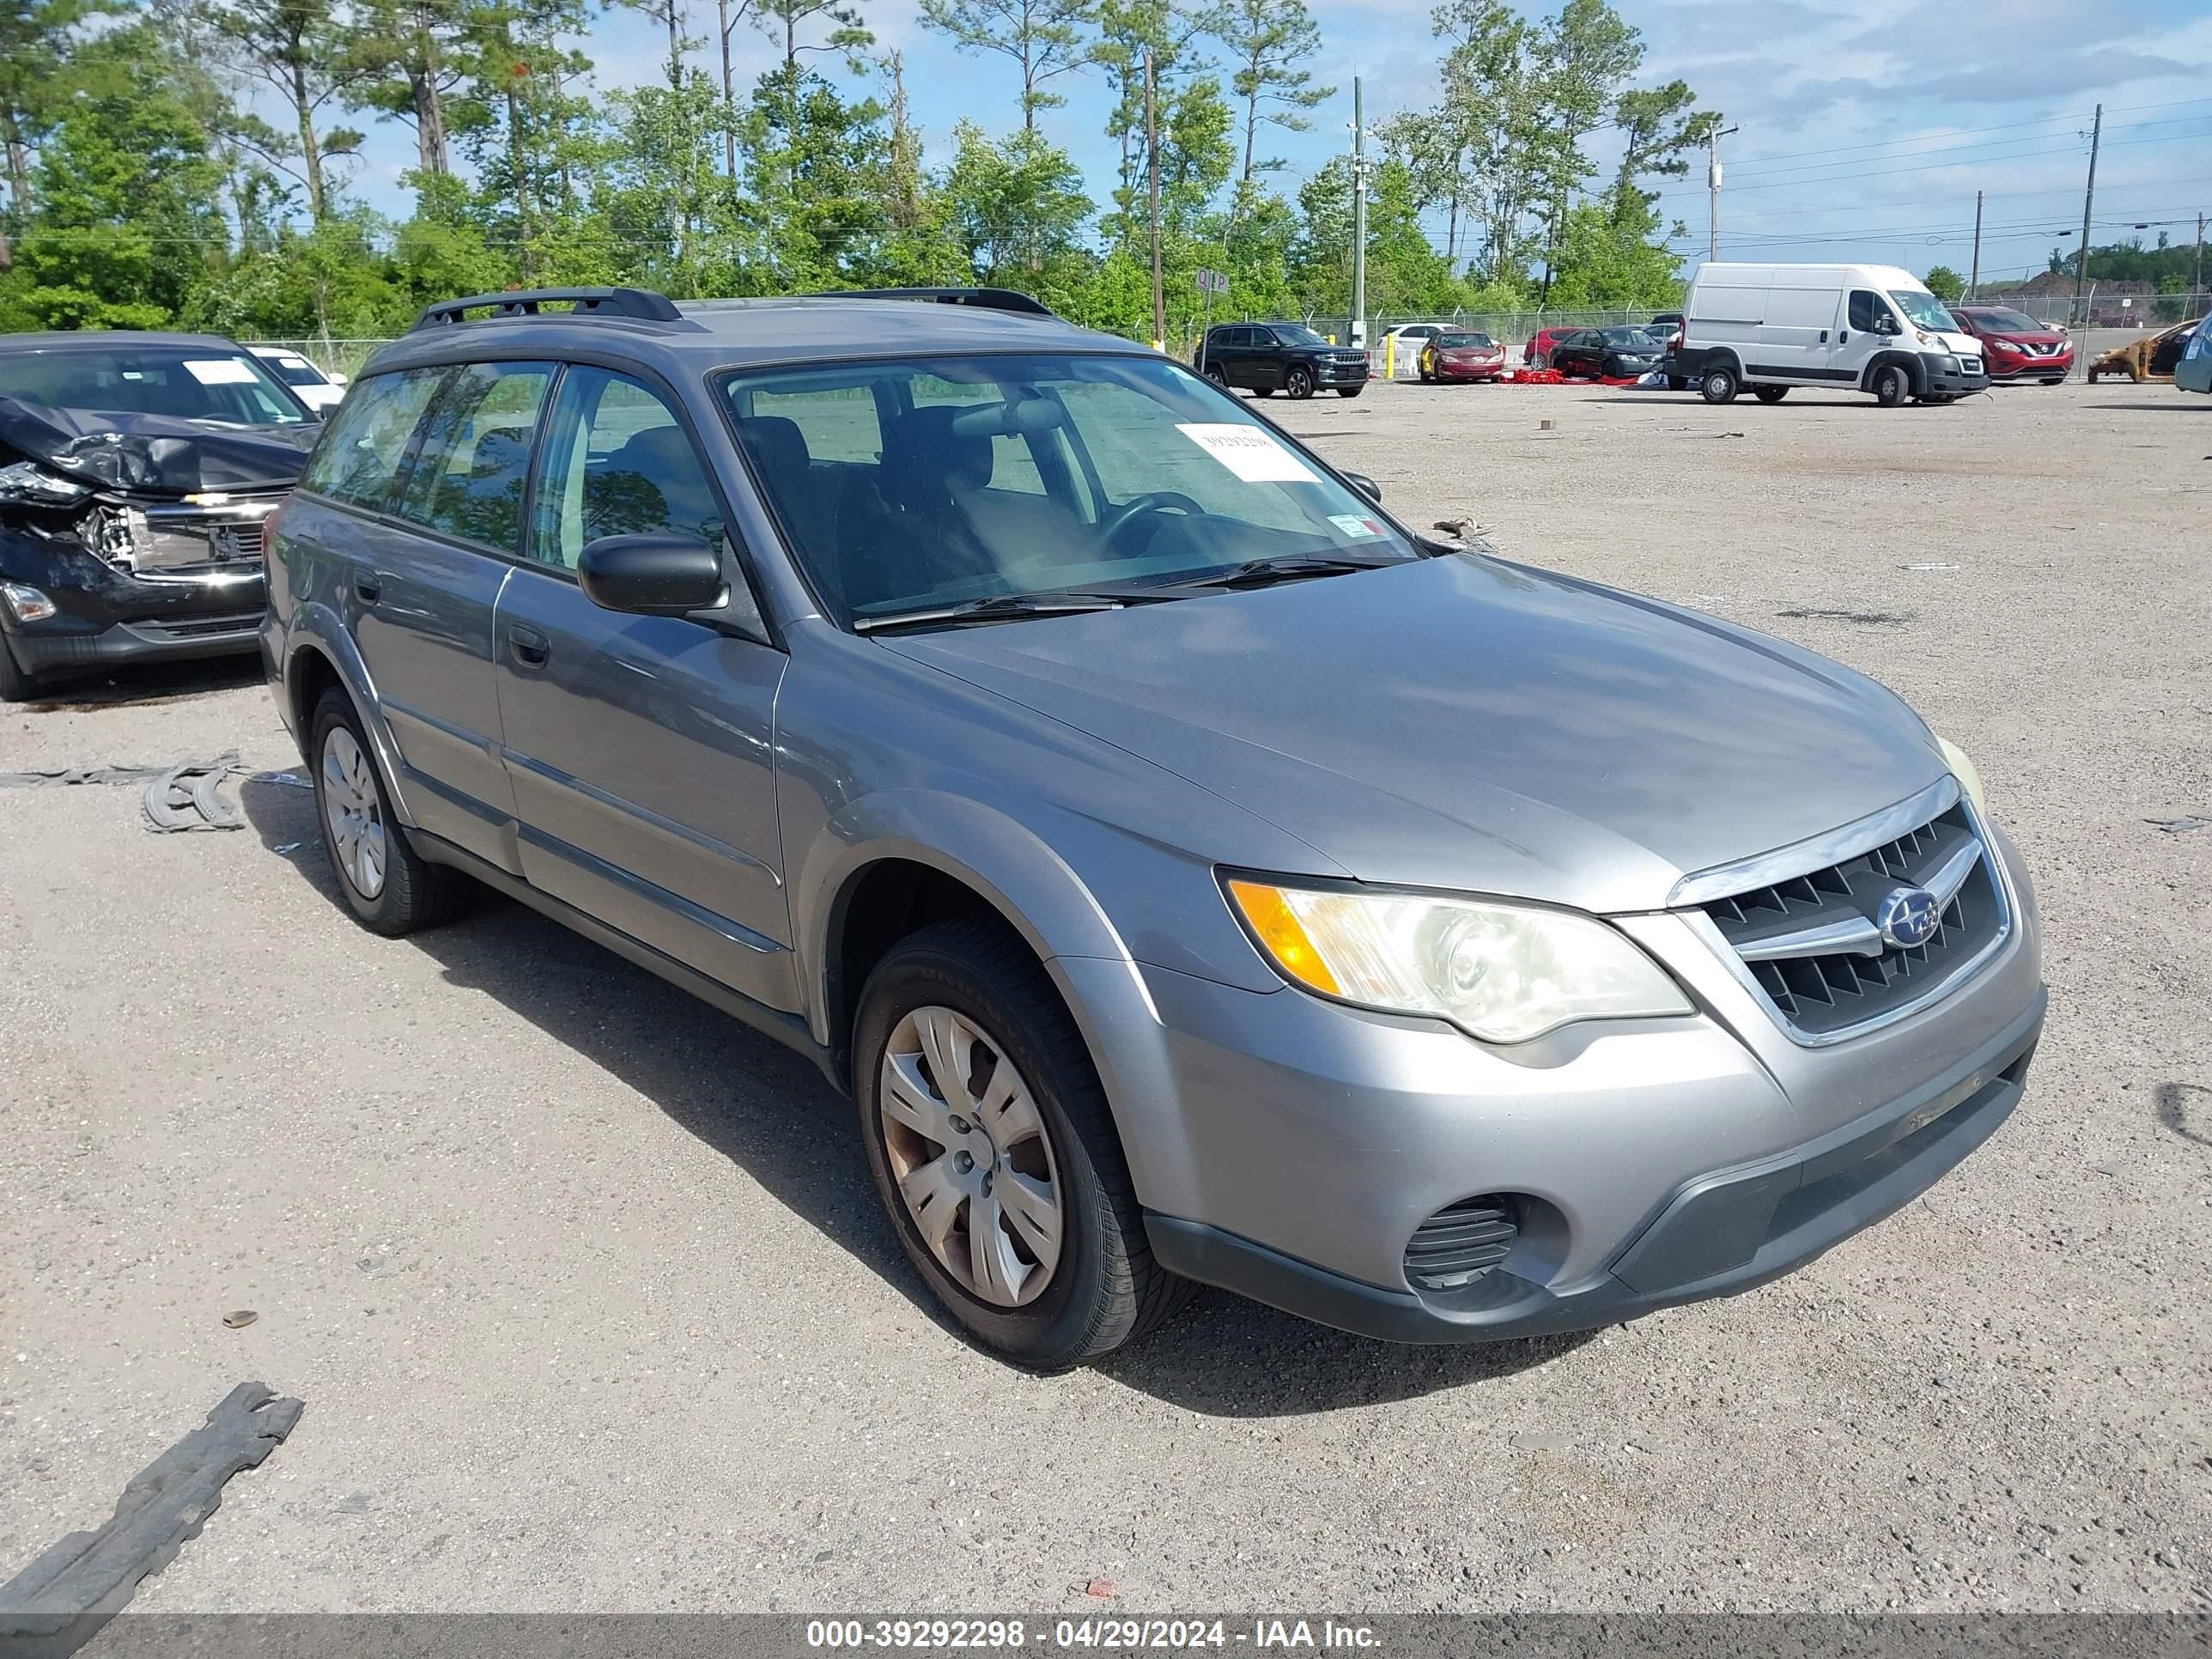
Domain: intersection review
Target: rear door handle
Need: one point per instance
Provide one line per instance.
(528, 646)
(369, 585)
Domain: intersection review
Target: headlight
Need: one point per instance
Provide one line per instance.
(1501, 972)
(26, 604)
(1963, 769)
(22, 482)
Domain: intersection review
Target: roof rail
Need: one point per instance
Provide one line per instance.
(988, 299)
(639, 302)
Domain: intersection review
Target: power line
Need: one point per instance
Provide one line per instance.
(1962, 133)
(2069, 148)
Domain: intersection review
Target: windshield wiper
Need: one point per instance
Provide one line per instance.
(1286, 567)
(1001, 606)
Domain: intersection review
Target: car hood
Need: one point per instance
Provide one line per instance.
(1464, 723)
(155, 454)
(2046, 338)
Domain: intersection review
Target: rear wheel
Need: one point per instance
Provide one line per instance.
(995, 1152)
(1678, 383)
(1770, 394)
(16, 683)
(1719, 386)
(1299, 382)
(1892, 384)
(389, 890)
(1541, 360)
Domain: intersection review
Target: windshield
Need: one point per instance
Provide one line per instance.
(295, 371)
(1923, 310)
(185, 382)
(2005, 321)
(1296, 334)
(915, 485)
(1455, 341)
(1634, 339)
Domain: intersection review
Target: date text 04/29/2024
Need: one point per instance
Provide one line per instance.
(1278, 1635)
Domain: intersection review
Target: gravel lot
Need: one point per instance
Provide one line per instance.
(587, 1294)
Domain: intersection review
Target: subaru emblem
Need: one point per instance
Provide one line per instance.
(1907, 917)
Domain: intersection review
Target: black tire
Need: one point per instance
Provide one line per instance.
(1349, 391)
(1106, 1289)
(1678, 383)
(1298, 382)
(1770, 394)
(415, 894)
(1214, 372)
(1892, 385)
(16, 684)
(1263, 391)
(1541, 360)
(1720, 383)
(2059, 380)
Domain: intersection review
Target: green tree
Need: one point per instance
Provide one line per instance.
(1269, 42)
(407, 59)
(1585, 56)
(1946, 284)
(1046, 39)
(35, 84)
(298, 50)
(1017, 206)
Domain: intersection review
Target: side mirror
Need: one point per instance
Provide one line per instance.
(1885, 324)
(1367, 486)
(651, 576)
(334, 378)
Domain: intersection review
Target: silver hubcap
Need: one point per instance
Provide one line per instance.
(353, 812)
(970, 1153)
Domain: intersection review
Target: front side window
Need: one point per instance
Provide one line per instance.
(361, 450)
(1298, 335)
(1866, 311)
(186, 383)
(468, 476)
(1020, 475)
(618, 463)
(1923, 309)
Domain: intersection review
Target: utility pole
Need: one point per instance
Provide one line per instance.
(2197, 282)
(2088, 200)
(1713, 189)
(1358, 219)
(1152, 154)
(1975, 281)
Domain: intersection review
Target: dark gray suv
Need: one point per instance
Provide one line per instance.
(1191, 873)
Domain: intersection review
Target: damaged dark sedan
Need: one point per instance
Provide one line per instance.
(136, 472)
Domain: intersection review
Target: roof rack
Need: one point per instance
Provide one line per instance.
(988, 299)
(637, 302)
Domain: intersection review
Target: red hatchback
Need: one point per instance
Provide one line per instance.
(1537, 354)
(2015, 346)
(1462, 355)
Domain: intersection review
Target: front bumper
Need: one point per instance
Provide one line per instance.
(103, 616)
(1940, 380)
(1341, 374)
(1469, 371)
(2031, 368)
(1289, 1148)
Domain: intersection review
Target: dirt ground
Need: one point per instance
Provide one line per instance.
(592, 1307)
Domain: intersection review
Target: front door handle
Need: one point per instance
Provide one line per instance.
(1824, 337)
(369, 585)
(528, 646)
(1843, 336)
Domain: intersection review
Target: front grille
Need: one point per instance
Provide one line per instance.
(1461, 1243)
(1813, 946)
(1971, 365)
(201, 628)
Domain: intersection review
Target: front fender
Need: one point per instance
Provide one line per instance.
(317, 630)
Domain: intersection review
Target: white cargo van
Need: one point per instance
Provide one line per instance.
(1869, 328)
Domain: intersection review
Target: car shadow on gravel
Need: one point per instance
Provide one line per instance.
(146, 684)
(769, 1111)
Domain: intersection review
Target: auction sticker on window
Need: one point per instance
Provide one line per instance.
(1248, 452)
(219, 371)
(1355, 526)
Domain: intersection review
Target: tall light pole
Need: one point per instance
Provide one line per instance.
(1713, 187)
(2088, 199)
(1152, 152)
(1358, 219)
(1975, 281)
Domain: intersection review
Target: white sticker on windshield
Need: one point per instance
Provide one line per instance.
(1248, 452)
(219, 371)
(1355, 526)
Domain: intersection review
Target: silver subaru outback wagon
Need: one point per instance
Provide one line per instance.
(1193, 875)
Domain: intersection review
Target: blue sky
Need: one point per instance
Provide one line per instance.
(1867, 127)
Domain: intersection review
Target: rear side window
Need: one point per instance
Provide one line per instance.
(468, 477)
(362, 447)
(617, 462)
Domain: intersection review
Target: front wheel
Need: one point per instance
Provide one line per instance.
(1299, 382)
(1770, 394)
(1214, 372)
(1892, 385)
(1349, 391)
(995, 1152)
(1719, 386)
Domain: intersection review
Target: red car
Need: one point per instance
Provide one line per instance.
(1462, 354)
(2015, 346)
(1537, 354)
